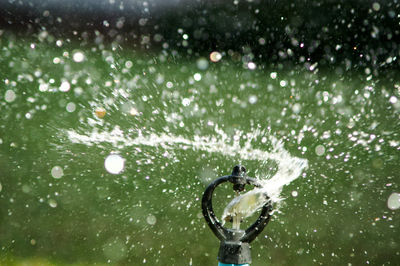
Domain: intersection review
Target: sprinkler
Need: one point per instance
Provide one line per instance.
(234, 247)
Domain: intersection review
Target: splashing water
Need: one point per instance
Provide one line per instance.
(244, 206)
(289, 167)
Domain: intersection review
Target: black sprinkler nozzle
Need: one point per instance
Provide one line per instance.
(235, 243)
(238, 178)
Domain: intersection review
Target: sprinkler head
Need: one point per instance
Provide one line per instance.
(234, 243)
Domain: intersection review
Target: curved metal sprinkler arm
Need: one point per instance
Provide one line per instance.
(234, 246)
(255, 229)
(208, 212)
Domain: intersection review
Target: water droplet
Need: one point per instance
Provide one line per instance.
(78, 56)
(296, 108)
(253, 99)
(185, 102)
(295, 193)
(100, 112)
(133, 111)
(159, 78)
(128, 64)
(10, 96)
(197, 77)
(319, 150)
(44, 87)
(65, 86)
(114, 164)
(151, 219)
(273, 75)
(251, 66)
(52, 203)
(215, 56)
(57, 172)
(202, 63)
(393, 202)
(71, 107)
(393, 100)
(376, 6)
(26, 189)
(28, 115)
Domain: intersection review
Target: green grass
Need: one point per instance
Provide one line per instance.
(339, 216)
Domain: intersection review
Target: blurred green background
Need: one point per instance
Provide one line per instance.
(326, 85)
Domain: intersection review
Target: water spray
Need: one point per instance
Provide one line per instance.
(234, 247)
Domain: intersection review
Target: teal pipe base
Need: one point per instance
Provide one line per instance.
(224, 264)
